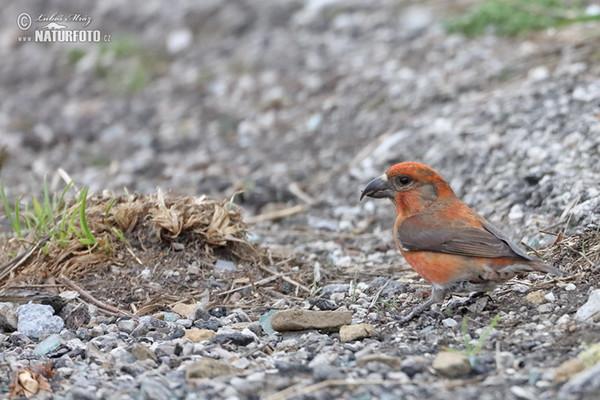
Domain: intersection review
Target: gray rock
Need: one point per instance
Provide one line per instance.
(585, 382)
(8, 319)
(328, 290)
(591, 308)
(233, 338)
(154, 389)
(36, 320)
(127, 325)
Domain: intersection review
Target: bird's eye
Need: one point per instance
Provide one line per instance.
(403, 180)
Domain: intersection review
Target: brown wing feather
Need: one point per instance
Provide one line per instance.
(415, 234)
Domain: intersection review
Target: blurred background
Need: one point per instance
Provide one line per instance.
(303, 102)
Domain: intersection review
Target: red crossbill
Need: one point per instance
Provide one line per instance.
(443, 240)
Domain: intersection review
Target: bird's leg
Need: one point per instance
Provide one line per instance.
(437, 295)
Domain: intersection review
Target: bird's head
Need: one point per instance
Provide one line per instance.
(411, 186)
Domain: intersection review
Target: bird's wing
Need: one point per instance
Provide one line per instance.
(415, 233)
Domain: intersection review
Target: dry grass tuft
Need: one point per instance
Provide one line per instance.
(575, 254)
(198, 222)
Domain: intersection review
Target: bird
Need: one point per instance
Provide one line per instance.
(445, 241)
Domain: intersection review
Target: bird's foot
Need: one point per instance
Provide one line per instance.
(464, 301)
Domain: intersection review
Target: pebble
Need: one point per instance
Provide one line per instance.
(126, 325)
(585, 382)
(208, 368)
(232, 338)
(52, 342)
(567, 369)
(569, 287)
(8, 318)
(591, 308)
(141, 352)
(451, 364)
(199, 335)
(187, 310)
(392, 361)
(36, 320)
(537, 297)
(449, 322)
(349, 333)
(294, 320)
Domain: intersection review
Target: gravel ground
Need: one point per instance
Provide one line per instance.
(303, 103)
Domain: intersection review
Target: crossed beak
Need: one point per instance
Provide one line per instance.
(378, 188)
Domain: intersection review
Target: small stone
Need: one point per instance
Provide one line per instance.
(78, 318)
(522, 393)
(349, 333)
(519, 287)
(8, 319)
(328, 290)
(591, 355)
(218, 312)
(545, 308)
(449, 322)
(550, 297)
(52, 342)
(452, 364)
(207, 368)
(591, 307)
(585, 382)
(151, 388)
(179, 40)
(36, 320)
(141, 330)
(295, 320)
(186, 310)
(414, 365)
(536, 297)
(126, 325)
(567, 369)
(178, 332)
(212, 324)
(225, 266)
(233, 338)
(569, 287)
(515, 212)
(184, 322)
(141, 352)
(201, 314)
(391, 361)
(199, 335)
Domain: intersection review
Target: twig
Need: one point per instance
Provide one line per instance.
(285, 278)
(261, 282)
(19, 260)
(279, 214)
(69, 283)
(295, 189)
(376, 297)
(134, 256)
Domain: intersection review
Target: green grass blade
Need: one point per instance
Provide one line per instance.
(12, 220)
(466, 336)
(88, 237)
(110, 204)
(485, 334)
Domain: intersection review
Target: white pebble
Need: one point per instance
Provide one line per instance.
(550, 297)
(449, 322)
(570, 287)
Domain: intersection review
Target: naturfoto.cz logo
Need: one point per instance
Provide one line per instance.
(53, 29)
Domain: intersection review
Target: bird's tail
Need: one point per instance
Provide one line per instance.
(550, 269)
